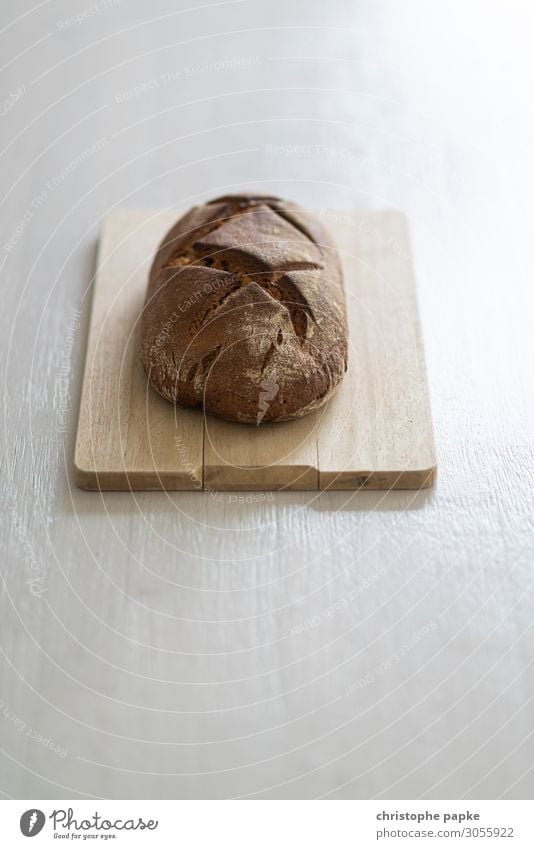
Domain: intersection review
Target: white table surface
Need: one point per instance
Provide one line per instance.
(339, 645)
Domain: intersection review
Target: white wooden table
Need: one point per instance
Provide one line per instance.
(301, 645)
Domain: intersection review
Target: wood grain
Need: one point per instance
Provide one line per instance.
(375, 432)
(128, 436)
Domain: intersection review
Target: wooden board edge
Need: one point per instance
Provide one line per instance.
(272, 478)
(124, 481)
(379, 481)
(85, 478)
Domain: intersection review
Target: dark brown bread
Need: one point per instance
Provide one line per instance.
(245, 311)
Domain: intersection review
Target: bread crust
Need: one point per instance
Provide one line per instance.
(245, 311)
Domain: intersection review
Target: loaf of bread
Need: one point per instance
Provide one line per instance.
(245, 311)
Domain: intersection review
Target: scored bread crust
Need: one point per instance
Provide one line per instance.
(245, 311)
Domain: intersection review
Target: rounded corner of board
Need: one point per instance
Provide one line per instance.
(85, 478)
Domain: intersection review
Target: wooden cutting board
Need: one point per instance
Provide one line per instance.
(375, 433)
